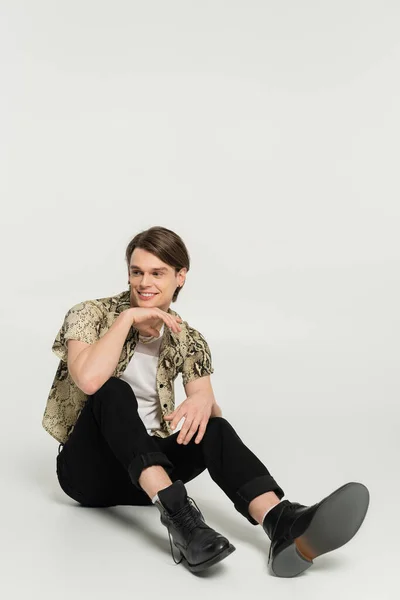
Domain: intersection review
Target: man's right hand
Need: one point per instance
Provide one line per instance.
(148, 321)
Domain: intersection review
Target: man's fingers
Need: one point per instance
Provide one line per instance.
(185, 429)
(202, 428)
(175, 420)
(187, 432)
(183, 432)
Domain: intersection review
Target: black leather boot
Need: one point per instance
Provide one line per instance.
(199, 544)
(300, 533)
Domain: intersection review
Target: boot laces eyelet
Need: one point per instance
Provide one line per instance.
(186, 518)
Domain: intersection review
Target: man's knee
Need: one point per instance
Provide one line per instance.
(115, 389)
(216, 424)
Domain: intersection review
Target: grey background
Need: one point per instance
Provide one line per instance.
(266, 134)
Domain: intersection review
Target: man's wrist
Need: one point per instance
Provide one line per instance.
(127, 314)
(216, 410)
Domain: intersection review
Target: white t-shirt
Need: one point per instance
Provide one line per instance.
(141, 373)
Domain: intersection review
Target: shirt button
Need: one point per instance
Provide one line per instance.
(161, 385)
(165, 405)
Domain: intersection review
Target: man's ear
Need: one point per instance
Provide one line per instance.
(183, 273)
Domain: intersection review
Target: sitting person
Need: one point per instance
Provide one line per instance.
(111, 407)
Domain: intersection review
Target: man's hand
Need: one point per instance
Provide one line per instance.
(196, 409)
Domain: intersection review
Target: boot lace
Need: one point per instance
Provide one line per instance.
(186, 518)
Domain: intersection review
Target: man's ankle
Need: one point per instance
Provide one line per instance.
(262, 504)
(153, 479)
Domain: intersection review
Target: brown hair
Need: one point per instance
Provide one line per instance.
(166, 245)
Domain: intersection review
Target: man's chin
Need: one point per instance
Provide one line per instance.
(154, 303)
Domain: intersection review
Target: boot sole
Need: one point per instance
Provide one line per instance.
(335, 522)
(209, 562)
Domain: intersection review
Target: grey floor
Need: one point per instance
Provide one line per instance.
(266, 134)
(54, 548)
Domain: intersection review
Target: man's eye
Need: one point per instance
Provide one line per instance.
(134, 272)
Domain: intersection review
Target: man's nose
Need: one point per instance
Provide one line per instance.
(146, 280)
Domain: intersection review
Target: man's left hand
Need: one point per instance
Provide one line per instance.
(197, 410)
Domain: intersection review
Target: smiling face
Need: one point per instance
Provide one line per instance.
(147, 273)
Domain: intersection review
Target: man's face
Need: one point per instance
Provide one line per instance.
(147, 273)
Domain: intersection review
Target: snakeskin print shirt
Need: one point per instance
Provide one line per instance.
(185, 352)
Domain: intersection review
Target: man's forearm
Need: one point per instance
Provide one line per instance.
(97, 363)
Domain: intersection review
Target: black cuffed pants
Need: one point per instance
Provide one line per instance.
(101, 462)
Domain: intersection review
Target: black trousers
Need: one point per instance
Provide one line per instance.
(101, 462)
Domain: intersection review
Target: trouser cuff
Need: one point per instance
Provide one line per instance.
(149, 459)
(250, 490)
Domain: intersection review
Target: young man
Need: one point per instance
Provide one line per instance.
(111, 407)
